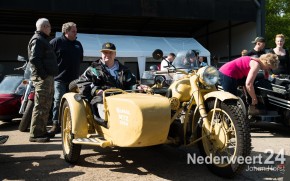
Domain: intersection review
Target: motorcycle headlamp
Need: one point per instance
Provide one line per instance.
(208, 75)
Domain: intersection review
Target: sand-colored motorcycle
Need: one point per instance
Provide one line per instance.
(191, 111)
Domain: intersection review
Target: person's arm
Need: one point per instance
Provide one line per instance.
(288, 62)
(36, 57)
(254, 68)
(130, 80)
(164, 65)
(82, 52)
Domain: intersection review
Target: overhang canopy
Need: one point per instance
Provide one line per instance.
(140, 47)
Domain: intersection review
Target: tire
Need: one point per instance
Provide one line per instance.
(285, 115)
(233, 140)
(73, 87)
(26, 118)
(71, 151)
(242, 103)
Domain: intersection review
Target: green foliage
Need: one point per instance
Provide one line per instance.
(277, 21)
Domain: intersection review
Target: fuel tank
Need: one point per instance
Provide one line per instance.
(181, 89)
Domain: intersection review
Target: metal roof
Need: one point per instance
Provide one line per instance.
(134, 17)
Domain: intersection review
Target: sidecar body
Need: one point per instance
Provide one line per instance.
(132, 120)
(273, 99)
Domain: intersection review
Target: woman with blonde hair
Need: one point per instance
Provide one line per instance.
(243, 71)
(283, 55)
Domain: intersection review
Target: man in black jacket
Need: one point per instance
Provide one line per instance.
(108, 72)
(44, 68)
(258, 50)
(69, 54)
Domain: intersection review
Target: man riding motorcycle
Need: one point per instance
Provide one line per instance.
(107, 72)
(104, 73)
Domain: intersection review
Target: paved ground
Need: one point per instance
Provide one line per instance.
(22, 160)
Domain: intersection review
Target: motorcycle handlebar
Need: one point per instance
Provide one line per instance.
(22, 67)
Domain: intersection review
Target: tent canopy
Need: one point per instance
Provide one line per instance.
(140, 47)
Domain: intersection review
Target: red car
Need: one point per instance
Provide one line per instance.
(11, 91)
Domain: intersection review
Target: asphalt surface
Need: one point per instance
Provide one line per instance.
(22, 160)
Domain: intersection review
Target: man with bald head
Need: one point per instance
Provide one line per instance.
(44, 68)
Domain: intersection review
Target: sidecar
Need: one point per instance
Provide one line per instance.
(126, 120)
(192, 112)
(273, 99)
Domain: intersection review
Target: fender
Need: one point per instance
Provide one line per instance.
(221, 95)
(78, 115)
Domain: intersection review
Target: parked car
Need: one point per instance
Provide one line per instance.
(11, 91)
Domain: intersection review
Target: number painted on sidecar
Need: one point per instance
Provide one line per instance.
(123, 116)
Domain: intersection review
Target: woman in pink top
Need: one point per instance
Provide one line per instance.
(243, 71)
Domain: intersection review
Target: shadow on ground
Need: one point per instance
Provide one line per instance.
(164, 162)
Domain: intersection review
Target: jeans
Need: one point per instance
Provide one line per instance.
(60, 88)
(229, 84)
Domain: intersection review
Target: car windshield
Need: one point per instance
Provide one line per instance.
(10, 84)
(186, 60)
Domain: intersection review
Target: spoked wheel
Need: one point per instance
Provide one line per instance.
(71, 151)
(229, 140)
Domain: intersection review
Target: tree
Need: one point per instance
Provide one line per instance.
(277, 21)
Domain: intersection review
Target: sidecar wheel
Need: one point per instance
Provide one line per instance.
(26, 118)
(230, 139)
(71, 151)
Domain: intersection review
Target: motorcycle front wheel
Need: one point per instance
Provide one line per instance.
(71, 151)
(229, 140)
(26, 118)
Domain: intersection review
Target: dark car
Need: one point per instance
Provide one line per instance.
(11, 91)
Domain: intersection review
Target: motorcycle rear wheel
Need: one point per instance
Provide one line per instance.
(26, 118)
(71, 151)
(230, 139)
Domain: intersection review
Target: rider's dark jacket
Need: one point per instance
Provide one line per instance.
(98, 74)
(41, 56)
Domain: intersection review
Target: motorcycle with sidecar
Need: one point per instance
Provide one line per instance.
(12, 88)
(191, 111)
(27, 100)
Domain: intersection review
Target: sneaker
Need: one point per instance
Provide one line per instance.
(40, 139)
(253, 110)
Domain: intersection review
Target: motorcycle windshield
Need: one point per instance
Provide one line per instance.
(186, 60)
(10, 84)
